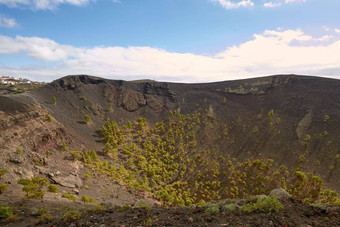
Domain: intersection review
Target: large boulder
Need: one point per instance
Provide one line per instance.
(280, 193)
(70, 181)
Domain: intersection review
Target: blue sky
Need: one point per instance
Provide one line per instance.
(172, 40)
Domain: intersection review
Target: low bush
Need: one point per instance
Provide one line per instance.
(76, 155)
(5, 212)
(19, 151)
(71, 216)
(212, 208)
(142, 204)
(53, 188)
(87, 199)
(124, 208)
(2, 172)
(48, 118)
(267, 204)
(3, 187)
(44, 218)
(230, 207)
(87, 119)
(33, 187)
(69, 196)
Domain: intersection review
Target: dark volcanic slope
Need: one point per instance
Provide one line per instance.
(273, 115)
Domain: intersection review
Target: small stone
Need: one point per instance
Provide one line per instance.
(34, 212)
(76, 191)
(190, 220)
(57, 173)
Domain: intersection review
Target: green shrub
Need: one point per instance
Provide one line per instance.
(71, 216)
(2, 172)
(69, 196)
(24, 181)
(38, 162)
(230, 207)
(48, 118)
(12, 218)
(64, 146)
(48, 153)
(5, 212)
(40, 181)
(212, 208)
(54, 100)
(53, 188)
(142, 204)
(267, 204)
(87, 199)
(35, 194)
(3, 187)
(44, 218)
(19, 151)
(124, 208)
(33, 187)
(76, 155)
(97, 208)
(42, 211)
(87, 118)
(320, 206)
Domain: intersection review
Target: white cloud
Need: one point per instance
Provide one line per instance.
(7, 22)
(227, 4)
(325, 38)
(278, 3)
(290, 1)
(44, 4)
(337, 30)
(38, 48)
(15, 3)
(271, 52)
(272, 4)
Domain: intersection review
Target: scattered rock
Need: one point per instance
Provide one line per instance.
(17, 158)
(331, 209)
(261, 196)
(190, 220)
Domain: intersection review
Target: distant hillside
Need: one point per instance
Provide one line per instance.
(174, 143)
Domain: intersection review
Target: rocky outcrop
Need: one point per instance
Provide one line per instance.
(131, 100)
(155, 104)
(70, 181)
(160, 89)
(259, 86)
(303, 125)
(74, 82)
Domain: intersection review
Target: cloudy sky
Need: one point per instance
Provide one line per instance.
(169, 40)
